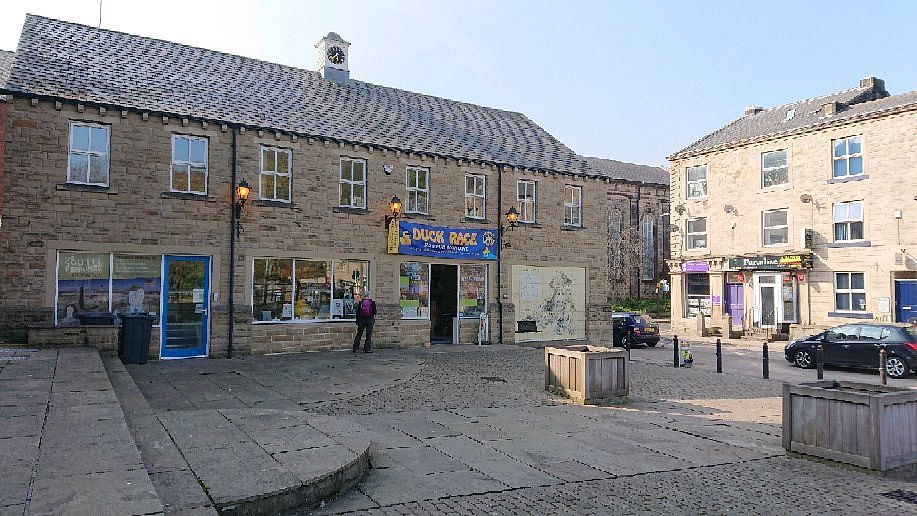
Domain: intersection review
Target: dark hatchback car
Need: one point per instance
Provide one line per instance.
(858, 345)
(633, 329)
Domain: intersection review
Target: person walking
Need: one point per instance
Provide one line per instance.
(366, 318)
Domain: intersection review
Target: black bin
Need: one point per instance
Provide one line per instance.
(134, 338)
(97, 318)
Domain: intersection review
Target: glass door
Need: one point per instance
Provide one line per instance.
(766, 291)
(185, 306)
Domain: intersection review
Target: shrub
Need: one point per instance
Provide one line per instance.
(642, 305)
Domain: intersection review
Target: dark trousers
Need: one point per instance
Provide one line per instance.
(364, 324)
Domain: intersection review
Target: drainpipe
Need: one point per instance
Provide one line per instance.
(500, 249)
(233, 224)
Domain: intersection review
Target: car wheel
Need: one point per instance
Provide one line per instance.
(896, 367)
(651, 344)
(627, 341)
(803, 359)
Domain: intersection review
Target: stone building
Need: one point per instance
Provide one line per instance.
(798, 217)
(125, 162)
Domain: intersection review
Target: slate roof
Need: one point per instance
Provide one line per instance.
(81, 63)
(805, 113)
(626, 171)
(6, 60)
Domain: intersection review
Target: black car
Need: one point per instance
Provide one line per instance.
(633, 329)
(858, 345)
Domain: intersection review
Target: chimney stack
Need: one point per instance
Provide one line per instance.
(831, 108)
(753, 110)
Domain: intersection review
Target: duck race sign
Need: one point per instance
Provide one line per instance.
(444, 242)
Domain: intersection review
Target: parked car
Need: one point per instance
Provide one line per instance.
(633, 329)
(858, 345)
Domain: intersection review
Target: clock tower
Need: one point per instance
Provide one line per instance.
(333, 59)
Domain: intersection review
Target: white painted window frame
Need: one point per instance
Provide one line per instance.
(780, 227)
(188, 163)
(847, 221)
(573, 206)
(342, 181)
(414, 192)
(846, 157)
(690, 234)
(526, 205)
(478, 202)
(765, 170)
(90, 154)
(703, 182)
(275, 173)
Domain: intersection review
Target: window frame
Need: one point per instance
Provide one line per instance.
(847, 156)
(689, 182)
(262, 172)
(849, 292)
(765, 170)
(415, 191)
(89, 153)
(189, 163)
(342, 181)
(785, 228)
(573, 210)
(848, 222)
(527, 206)
(690, 234)
(295, 287)
(475, 198)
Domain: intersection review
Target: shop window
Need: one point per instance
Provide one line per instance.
(850, 291)
(307, 290)
(848, 221)
(474, 196)
(775, 226)
(418, 186)
(774, 169)
(573, 206)
(696, 180)
(100, 282)
(274, 178)
(88, 159)
(696, 234)
(472, 290)
(352, 185)
(189, 164)
(414, 286)
(848, 157)
(525, 197)
(697, 293)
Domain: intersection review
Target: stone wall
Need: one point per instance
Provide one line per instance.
(137, 213)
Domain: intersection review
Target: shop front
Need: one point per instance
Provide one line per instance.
(443, 277)
(764, 290)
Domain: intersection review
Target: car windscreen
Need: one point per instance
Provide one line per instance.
(639, 319)
(912, 330)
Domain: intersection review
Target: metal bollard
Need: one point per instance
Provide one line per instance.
(627, 346)
(675, 347)
(820, 361)
(719, 356)
(883, 362)
(767, 373)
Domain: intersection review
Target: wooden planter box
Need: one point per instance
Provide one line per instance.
(871, 426)
(586, 374)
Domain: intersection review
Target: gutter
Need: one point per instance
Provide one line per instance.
(500, 249)
(233, 224)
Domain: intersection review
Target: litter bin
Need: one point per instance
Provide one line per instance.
(134, 339)
(97, 318)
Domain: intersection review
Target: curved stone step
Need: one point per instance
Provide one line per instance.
(253, 461)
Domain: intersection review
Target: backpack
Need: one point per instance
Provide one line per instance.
(366, 307)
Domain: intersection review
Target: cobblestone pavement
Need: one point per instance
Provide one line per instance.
(468, 430)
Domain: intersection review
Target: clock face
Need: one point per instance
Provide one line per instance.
(336, 55)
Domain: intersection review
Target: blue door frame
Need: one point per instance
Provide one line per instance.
(185, 307)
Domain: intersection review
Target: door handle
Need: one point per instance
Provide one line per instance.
(204, 311)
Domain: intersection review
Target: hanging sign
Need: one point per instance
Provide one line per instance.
(467, 243)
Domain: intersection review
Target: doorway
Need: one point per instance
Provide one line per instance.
(735, 303)
(185, 306)
(443, 303)
(766, 291)
(905, 300)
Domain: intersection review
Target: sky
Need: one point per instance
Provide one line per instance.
(634, 81)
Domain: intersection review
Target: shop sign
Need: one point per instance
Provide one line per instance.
(695, 267)
(443, 242)
(764, 262)
(82, 266)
